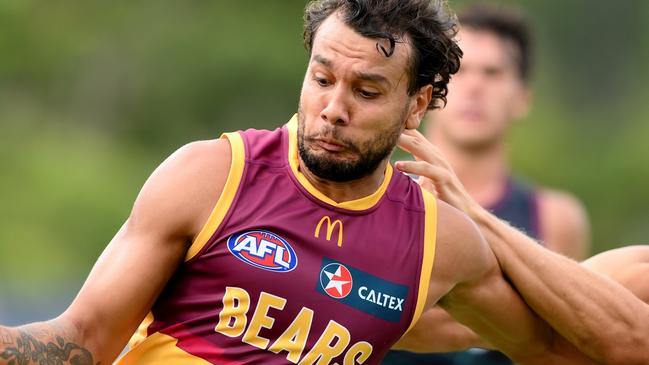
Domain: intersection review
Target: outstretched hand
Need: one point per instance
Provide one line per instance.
(435, 173)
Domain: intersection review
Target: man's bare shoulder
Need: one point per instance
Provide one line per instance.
(202, 161)
(557, 200)
(563, 223)
(185, 187)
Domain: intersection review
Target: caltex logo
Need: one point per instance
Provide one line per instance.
(363, 291)
(336, 280)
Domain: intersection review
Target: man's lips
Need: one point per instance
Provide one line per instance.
(472, 114)
(329, 144)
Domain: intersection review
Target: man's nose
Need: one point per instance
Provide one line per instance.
(474, 83)
(336, 110)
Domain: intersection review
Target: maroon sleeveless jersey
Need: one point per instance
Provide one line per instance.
(282, 274)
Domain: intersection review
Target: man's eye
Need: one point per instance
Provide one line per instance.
(368, 94)
(321, 81)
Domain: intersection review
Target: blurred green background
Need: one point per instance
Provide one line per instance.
(94, 95)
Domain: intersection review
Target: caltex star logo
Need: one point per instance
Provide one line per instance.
(336, 280)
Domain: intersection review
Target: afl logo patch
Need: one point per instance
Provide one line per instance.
(336, 280)
(263, 249)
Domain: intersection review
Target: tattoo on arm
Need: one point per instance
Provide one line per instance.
(6, 338)
(29, 349)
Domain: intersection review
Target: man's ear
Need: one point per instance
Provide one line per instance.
(418, 106)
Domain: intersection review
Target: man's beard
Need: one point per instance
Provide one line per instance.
(369, 154)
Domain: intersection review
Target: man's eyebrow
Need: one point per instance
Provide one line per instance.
(365, 76)
(374, 77)
(322, 60)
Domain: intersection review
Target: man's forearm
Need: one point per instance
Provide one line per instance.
(43, 343)
(600, 317)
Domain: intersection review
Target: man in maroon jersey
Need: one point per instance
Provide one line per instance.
(300, 245)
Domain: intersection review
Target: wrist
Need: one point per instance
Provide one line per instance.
(478, 214)
(492, 228)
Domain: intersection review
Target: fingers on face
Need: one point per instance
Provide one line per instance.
(416, 145)
(425, 169)
(421, 149)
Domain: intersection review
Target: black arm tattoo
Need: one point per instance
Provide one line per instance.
(28, 348)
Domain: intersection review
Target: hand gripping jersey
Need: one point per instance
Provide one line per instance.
(281, 274)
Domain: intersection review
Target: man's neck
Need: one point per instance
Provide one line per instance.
(484, 172)
(348, 190)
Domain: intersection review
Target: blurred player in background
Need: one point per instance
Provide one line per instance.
(489, 94)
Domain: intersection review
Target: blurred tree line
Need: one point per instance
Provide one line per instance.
(94, 95)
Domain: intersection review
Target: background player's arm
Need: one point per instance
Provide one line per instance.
(563, 224)
(134, 267)
(475, 293)
(628, 265)
(600, 317)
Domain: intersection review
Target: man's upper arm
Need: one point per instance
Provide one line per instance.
(437, 331)
(131, 272)
(564, 224)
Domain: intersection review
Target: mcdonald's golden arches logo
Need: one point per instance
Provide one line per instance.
(330, 229)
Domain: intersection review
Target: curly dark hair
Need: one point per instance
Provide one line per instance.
(506, 22)
(428, 25)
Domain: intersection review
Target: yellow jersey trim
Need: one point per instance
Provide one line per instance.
(159, 349)
(430, 242)
(227, 196)
(141, 332)
(357, 204)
